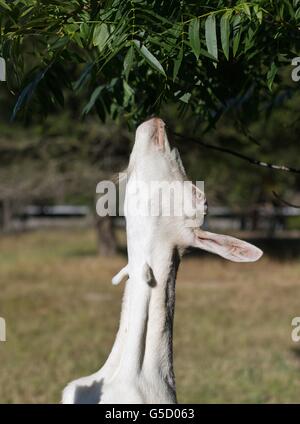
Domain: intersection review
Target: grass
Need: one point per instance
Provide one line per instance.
(232, 322)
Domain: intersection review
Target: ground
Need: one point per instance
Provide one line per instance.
(232, 322)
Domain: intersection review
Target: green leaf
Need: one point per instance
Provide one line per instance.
(5, 5)
(59, 43)
(84, 30)
(271, 75)
(26, 11)
(194, 36)
(128, 61)
(249, 40)
(290, 8)
(258, 13)
(85, 75)
(128, 93)
(100, 36)
(153, 62)
(92, 100)
(185, 98)
(177, 63)
(28, 91)
(211, 36)
(173, 33)
(225, 33)
(76, 37)
(237, 34)
(246, 9)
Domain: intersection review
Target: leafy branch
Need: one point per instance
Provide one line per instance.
(239, 155)
(185, 55)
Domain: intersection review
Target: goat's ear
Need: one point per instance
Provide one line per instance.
(229, 247)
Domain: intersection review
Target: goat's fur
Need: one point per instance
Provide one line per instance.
(139, 368)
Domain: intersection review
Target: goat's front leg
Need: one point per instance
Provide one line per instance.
(120, 276)
(89, 389)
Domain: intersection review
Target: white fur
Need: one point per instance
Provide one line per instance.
(139, 368)
(119, 277)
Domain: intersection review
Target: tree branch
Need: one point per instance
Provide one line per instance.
(248, 159)
(284, 201)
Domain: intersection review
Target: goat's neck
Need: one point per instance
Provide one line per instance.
(159, 338)
(147, 315)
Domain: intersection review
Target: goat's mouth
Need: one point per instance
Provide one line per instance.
(160, 134)
(157, 132)
(158, 139)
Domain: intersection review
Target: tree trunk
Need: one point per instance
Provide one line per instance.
(107, 244)
(6, 215)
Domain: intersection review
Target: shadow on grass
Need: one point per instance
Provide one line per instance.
(296, 351)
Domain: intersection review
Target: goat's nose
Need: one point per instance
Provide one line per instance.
(153, 122)
(158, 127)
(160, 133)
(156, 122)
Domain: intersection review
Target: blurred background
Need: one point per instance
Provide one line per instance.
(232, 322)
(81, 75)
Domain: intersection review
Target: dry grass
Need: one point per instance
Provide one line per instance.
(232, 324)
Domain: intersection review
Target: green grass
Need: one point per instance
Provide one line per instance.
(232, 322)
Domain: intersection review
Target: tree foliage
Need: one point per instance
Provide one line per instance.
(130, 58)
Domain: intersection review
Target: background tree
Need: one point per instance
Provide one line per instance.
(59, 160)
(138, 55)
(225, 65)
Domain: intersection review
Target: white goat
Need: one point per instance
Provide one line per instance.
(139, 368)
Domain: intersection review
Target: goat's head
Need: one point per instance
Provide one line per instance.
(152, 160)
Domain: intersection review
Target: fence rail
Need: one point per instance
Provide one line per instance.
(268, 220)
